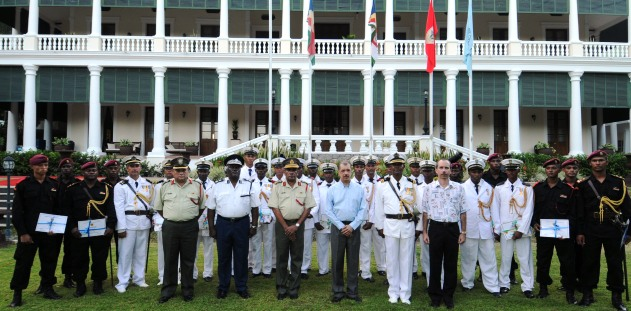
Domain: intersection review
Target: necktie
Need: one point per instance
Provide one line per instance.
(512, 188)
(204, 184)
(261, 183)
(476, 188)
(370, 180)
(250, 172)
(136, 185)
(398, 186)
(328, 185)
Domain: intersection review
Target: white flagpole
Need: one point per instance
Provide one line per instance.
(269, 89)
(431, 115)
(309, 144)
(471, 116)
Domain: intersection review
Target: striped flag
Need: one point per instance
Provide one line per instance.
(430, 38)
(468, 43)
(311, 38)
(374, 47)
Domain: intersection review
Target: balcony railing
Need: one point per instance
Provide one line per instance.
(347, 47)
(127, 44)
(192, 45)
(545, 48)
(11, 43)
(62, 43)
(253, 46)
(605, 50)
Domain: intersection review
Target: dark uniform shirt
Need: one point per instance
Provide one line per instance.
(556, 202)
(588, 207)
(488, 177)
(30, 199)
(76, 202)
(107, 181)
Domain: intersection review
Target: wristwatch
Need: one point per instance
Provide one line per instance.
(298, 224)
(253, 226)
(463, 232)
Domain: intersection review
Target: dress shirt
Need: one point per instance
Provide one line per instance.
(370, 189)
(346, 203)
(508, 216)
(233, 201)
(322, 217)
(418, 180)
(180, 203)
(291, 201)
(264, 190)
(387, 202)
(313, 187)
(479, 220)
(126, 200)
(246, 173)
(444, 204)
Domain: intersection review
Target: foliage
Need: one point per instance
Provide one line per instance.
(2, 141)
(61, 141)
(350, 36)
(235, 125)
(608, 146)
(125, 143)
(541, 145)
(483, 146)
(191, 143)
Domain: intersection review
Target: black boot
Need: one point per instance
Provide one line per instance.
(17, 299)
(68, 282)
(49, 293)
(543, 291)
(588, 298)
(97, 287)
(81, 289)
(569, 297)
(616, 301)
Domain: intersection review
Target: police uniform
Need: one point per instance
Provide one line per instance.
(157, 222)
(309, 224)
(248, 172)
(480, 244)
(395, 218)
(203, 236)
(512, 210)
(323, 237)
(264, 237)
(180, 206)
(132, 199)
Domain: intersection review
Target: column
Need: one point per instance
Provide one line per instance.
(222, 110)
(285, 129)
(30, 38)
(368, 101)
(158, 113)
(613, 128)
(514, 143)
(30, 108)
(94, 41)
(389, 22)
(514, 45)
(452, 44)
(12, 128)
(306, 76)
(158, 40)
(576, 48)
(285, 39)
(94, 119)
(223, 28)
(388, 104)
(450, 109)
(576, 130)
(48, 132)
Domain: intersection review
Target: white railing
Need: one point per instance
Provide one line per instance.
(127, 44)
(62, 43)
(409, 47)
(347, 47)
(11, 43)
(253, 46)
(489, 48)
(192, 45)
(545, 48)
(295, 46)
(233, 149)
(605, 50)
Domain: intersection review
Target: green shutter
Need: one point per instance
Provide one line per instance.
(337, 88)
(544, 6)
(295, 90)
(65, 3)
(63, 84)
(378, 87)
(127, 86)
(129, 3)
(192, 4)
(409, 88)
(490, 89)
(605, 90)
(254, 5)
(250, 87)
(483, 6)
(13, 3)
(12, 84)
(605, 7)
(546, 90)
(191, 86)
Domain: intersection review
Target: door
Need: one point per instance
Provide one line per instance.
(500, 131)
(331, 120)
(399, 128)
(208, 130)
(559, 130)
(107, 113)
(149, 115)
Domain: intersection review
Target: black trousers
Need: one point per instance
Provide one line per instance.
(98, 247)
(178, 242)
(67, 260)
(25, 255)
(341, 245)
(285, 282)
(591, 262)
(233, 239)
(565, 253)
(443, 247)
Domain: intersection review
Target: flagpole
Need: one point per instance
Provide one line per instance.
(310, 109)
(270, 108)
(471, 117)
(431, 115)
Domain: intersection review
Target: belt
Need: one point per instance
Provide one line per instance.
(137, 212)
(442, 223)
(233, 219)
(346, 222)
(290, 220)
(399, 216)
(181, 221)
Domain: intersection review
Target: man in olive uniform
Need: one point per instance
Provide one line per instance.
(180, 202)
(65, 179)
(90, 199)
(291, 201)
(605, 205)
(34, 195)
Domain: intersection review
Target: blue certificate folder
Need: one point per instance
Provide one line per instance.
(555, 228)
(51, 223)
(92, 227)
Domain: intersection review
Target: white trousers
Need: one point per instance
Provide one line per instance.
(306, 254)
(207, 245)
(323, 241)
(160, 256)
(132, 256)
(262, 260)
(370, 240)
(424, 257)
(524, 255)
(399, 266)
(415, 261)
(482, 250)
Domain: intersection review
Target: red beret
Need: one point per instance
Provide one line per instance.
(111, 163)
(88, 165)
(597, 153)
(456, 164)
(570, 162)
(38, 159)
(553, 161)
(493, 156)
(65, 161)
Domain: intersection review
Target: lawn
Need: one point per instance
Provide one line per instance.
(314, 294)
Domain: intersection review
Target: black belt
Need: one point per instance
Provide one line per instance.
(137, 213)
(442, 223)
(399, 216)
(181, 221)
(346, 222)
(233, 219)
(290, 220)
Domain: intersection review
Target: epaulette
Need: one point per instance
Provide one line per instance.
(123, 182)
(196, 181)
(617, 176)
(385, 179)
(582, 180)
(72, 184)
(278, 182)
(500, 183)
(160, 181)
(411, 180)
(319, 183)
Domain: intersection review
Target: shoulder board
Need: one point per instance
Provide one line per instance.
(526, 185)
(197, 182)
(123, 182)
(246, 179)
(582, 180)
(411, 180)
(277, 182)
(159, 182)
(500, 183)
(319, 183)
(73, 184)
(385, 179)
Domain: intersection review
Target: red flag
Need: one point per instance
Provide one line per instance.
(430, 38)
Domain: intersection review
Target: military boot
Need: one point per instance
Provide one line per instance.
(68, 281)
(81, 289)
(588, 298)
(543, 291)
(17, 299)
(97, 287)
(569, 297)
(616, 301)
(49, 293)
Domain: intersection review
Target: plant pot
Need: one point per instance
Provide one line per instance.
(61, 147)
(485, 151)
(547, 151)
(125, 150)
(192, 149)
(235, 134)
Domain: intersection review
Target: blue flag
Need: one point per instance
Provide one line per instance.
(468, 41)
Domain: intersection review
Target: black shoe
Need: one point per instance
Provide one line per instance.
(194, 280)
(336, 299)
(17, 299)
(81, 289)
(244, 294)
(267, 276)
(569, 297)
(254, 275)
(466, 289)
(50, 293)
(281, 296)
(514, 281)
(369, 280)
(208, 278)
(435, 304)
(543, 291)
(293, 296)
(188, 298)
(504, 290)
(68, 282)
(449, 304)
(221, 294)
(497, 295)
(40, 290)
(304, 276)
(616, 301)
(164, 299)
(97, 287)
(587, 299)
(322, 274)
(415, 275)
(382, 273)
(529, 294)
(355, 297)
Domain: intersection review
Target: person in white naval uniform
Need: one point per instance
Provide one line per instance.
(132, 200)
(322, 222)
(279, 170)
(395, 201)
(249, 155)
(309, 222)
(512, 209)
(264, 237)
(480, 244)
(379, 248)
(167, 171)
(203, 237)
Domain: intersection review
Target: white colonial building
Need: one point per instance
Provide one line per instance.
(99, 71)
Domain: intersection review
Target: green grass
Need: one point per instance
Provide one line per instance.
(314, 294)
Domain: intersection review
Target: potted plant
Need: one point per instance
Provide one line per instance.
(191, 146)
(235, 129)
(2, 143)
(483, 148)
(543, 148)
(61, 144)
(125, 146)
(609, 148)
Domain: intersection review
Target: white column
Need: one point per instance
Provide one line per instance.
(627, 139)
(513, 29)
(12, 127)
(367, 29)
(576, 128)
(305, 109)
(30, 109)
(573, 21)
(388, 104)
(160, 20)
(450, 108)
(96, 18)
(222, 110)
(33, 18)
(368, 101)
(452, 44)
(94, 121)
(285, 129)
(223, 19)
(286, 31)
(48, 131)
(514, 140)
(613, 128)
(389, 22)
(158, 114)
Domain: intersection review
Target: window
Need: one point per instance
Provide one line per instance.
(500, 34)
(332, 31)
(262, 118)
(108, 29)
(399, 123)
(151, 30)
(209, 31)
(459, 34)
(500, 131)
(330, 120)
(556, 35)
